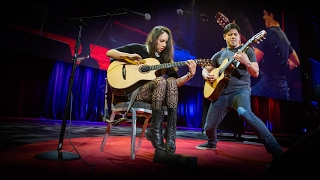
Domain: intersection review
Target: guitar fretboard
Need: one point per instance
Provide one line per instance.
(168, 65)
(146, 68)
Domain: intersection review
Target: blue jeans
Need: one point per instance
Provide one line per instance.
(240, 101)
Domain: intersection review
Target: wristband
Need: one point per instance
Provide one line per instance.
(248, 65)
(189, 75)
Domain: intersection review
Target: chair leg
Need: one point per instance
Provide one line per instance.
(133, 147)
(133, 133)
(106, 135)
(144, 127)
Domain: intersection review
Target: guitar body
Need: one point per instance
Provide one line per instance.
(213, 90)
(124, 78)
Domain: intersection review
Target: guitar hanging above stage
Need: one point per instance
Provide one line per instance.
(124, 76)
(222, 20)
(213, 90)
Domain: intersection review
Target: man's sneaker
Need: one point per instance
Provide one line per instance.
(268, 165)
(272, 163)
(206, 146)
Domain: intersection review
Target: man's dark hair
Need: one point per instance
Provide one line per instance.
(230, 26)
(277, 13)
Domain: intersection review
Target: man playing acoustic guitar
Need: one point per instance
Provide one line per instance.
(234, 90)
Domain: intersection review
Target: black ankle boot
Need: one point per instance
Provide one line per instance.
(154, 133)
(170, 132)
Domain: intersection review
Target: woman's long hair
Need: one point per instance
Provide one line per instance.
(151, 42)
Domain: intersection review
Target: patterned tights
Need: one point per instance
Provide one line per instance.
(160, 92)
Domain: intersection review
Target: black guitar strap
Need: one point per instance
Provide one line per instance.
(132, 99)
(124, 118)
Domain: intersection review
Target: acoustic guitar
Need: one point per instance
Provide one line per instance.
(213, 90)
(124, 77)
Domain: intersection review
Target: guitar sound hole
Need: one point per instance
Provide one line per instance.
(144, 68)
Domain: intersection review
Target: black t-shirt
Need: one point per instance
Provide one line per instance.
(277, 49)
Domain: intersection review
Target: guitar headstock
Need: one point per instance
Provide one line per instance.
(222, 20)
(204, 62)
(259, 37)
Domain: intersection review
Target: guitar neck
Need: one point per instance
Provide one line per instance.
(170, 65)
(245, 45)
(232, 59)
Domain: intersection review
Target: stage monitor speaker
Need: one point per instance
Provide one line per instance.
(175, 160)
(300, 160)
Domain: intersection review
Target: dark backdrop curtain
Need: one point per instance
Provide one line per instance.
(36, 87)
(190, 106)
(87, 97)
(23, 80)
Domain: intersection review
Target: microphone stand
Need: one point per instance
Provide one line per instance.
(59, 154)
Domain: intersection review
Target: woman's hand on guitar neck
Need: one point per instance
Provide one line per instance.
(192, 67)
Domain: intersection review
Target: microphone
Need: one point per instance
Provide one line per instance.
(146, 16)
(180, 12)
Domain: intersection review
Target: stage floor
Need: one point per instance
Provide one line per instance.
(23, 139)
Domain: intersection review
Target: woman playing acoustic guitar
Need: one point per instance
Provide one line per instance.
(160, 91)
